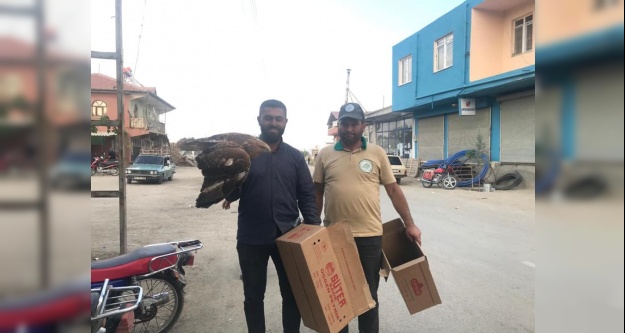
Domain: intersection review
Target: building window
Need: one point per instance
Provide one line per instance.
(444, 53)
(395, 137)
(405, 70)
(98, 108)
(523, 31)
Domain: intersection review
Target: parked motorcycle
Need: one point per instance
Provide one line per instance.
(112, 308)
(441, 175)
(62, 308)
(100, 165)
(158, 270)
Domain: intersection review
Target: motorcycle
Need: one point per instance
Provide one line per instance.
(112, 308)
(100, 165)
(441, 175)
(158, 269)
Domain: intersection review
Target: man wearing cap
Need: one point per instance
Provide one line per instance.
(349, 175)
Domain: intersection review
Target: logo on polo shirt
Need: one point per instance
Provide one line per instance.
(365, 166)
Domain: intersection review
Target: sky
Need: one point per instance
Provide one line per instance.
(216, 61)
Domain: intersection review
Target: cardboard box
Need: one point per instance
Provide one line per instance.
(409, 266)
(326, 276)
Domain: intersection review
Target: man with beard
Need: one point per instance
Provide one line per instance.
(349, 175)
(279, 186)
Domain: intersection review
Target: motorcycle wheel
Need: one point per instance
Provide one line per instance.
(160, 318)
(450, 182)
(93, 172)
(115, 171)
(426, 184)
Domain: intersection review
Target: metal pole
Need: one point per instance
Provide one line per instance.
(44, 148)
(347, 86)
(121, 133)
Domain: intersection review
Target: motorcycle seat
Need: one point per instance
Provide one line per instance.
(107, 163)
(135, 263)
(140, 253)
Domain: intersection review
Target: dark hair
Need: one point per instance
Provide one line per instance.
(272, 103)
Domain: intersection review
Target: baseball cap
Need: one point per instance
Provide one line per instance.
(351, 110)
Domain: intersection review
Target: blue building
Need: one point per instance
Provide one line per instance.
(470, 73)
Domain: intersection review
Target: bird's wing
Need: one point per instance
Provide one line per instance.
(223, 170)
(209, 144)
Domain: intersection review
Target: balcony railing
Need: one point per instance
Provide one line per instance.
(152, 126)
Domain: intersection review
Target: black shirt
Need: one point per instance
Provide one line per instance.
(277, 188)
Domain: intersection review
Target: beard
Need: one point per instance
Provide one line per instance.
(270, 136)
(349, 139)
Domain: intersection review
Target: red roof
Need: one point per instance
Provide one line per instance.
(11, 48)
(17, 49)
(334, 115)
(104, 82)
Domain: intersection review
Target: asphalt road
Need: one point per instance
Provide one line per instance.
(480, 247)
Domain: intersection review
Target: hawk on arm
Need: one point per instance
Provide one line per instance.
(225, 163)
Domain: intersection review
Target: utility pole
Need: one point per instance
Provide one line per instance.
(347, 86)
(118, 56)
(119, 62)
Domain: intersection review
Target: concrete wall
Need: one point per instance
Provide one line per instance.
(555, 24)
(492, 34)
(486, 43)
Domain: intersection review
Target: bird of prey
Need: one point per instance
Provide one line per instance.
(225, 163)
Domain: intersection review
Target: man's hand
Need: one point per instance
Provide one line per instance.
(414, 233)
(225, 205)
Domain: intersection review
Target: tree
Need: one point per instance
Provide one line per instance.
(475, 155)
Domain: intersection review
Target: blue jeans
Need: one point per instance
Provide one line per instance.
(370, 251)
(253, 260)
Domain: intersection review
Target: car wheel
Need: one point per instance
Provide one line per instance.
(171, 177)
(129, 181)
(398, 180)
(160, 179)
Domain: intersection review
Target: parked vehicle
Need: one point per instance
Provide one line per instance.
(112, 308)
(399, 170)
(61, 308)
(71, 171)
(151, 167)
(441, 175)
(158, 270)
(100, 165)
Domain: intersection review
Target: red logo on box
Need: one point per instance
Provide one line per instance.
(416, 286)
(330, 268)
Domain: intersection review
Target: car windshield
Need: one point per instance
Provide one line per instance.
(394, 160)
(149, 160)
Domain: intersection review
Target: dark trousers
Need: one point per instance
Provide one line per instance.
(253, 260)
(370, 251)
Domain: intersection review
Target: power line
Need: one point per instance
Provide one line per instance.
(140, 33)
(357, 101)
